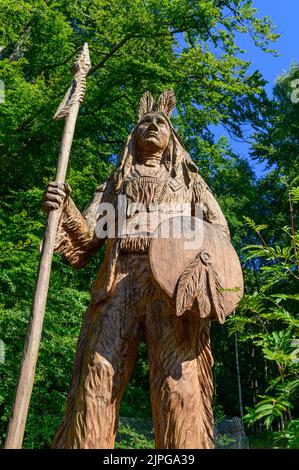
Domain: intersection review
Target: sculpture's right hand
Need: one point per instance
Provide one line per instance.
(54, 196)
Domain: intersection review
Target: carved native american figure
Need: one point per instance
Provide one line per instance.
(144, 289)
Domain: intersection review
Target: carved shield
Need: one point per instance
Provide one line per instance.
(196, 265)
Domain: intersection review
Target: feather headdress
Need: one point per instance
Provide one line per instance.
(176, 158)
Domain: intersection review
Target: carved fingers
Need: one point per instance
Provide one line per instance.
(55, 195)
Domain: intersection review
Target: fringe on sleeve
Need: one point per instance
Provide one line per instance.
(76, 240)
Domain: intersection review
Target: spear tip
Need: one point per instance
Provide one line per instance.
(76, 92)
(82, 63)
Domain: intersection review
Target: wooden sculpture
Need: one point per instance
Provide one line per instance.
(148, 286)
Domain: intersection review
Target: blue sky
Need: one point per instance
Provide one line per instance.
(285, 15)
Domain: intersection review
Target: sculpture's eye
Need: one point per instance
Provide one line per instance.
(146, 120)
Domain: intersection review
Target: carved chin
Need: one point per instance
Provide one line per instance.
(152, 140)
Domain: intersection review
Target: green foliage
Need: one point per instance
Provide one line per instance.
(269, 319)
(278, 143)
(130, 439)
(135, 45)
(268, 409)
(261, 440)
(190, 46)
(136, 401)
(222, 440)
(289, 437)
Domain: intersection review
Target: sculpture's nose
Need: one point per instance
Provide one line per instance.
(153, 125)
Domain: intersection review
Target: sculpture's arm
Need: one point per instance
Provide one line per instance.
(76, 239)
(211, 210)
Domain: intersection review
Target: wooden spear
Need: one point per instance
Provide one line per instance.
(68, 109)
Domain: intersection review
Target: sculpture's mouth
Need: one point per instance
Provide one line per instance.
(151, 135)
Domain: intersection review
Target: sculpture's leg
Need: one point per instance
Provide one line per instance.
(180, 362)
(105, 357)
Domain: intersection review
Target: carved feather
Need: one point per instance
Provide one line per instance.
(69, 99)
(199, 282)
(188, 286)
(202, 298)
(166, 103)
(216, 295)
(146, 104)
(76, 91)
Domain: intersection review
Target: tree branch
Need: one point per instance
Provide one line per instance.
(110, 54)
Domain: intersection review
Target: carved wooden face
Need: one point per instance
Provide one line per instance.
(153, 133)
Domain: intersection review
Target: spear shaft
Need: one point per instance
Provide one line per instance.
(68, 109)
